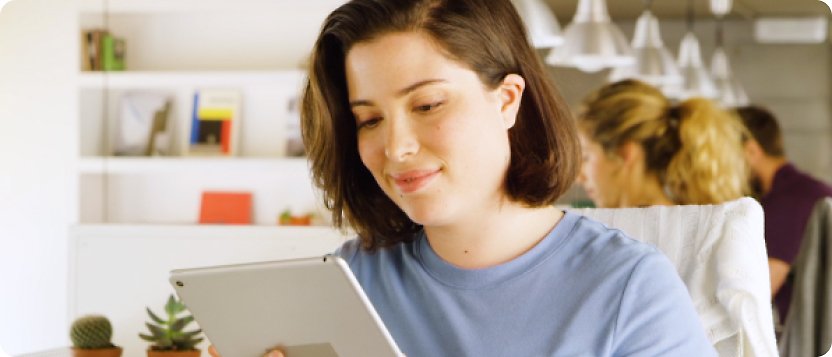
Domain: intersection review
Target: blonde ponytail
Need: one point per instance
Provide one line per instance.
(709, 166)
(694, 148)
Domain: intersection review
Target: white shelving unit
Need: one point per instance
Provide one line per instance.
(265, 112)
(149, 190)
(144, 165)
(151, 79)
(137, 215)
(177, 47)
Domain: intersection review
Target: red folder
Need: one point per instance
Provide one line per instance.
(225, 208)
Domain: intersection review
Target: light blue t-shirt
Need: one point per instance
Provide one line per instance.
(584, 290)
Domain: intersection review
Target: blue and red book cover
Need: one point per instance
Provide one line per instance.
(215, 123)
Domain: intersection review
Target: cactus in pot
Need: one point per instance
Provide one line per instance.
(169, 335)
(90, 336)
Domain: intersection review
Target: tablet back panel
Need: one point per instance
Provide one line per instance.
(310, 307)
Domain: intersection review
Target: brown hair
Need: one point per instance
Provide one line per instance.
(488, 37)
(694, 148)
(764, 128)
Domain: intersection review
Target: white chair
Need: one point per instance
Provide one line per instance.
(720, 254)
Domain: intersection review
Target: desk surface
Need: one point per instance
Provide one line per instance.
(67, 352)
(58, 352)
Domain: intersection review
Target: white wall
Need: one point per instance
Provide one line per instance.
(38, 147)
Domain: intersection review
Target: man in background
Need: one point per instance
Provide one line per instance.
(786, 194)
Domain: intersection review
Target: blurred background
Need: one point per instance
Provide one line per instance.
(88, 228)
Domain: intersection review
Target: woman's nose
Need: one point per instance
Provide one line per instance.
(402, 141)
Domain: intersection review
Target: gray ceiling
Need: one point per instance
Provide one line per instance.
(630, 9)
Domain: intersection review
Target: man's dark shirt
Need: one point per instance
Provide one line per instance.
(787, 208)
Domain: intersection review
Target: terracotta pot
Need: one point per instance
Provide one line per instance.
(98, 352)
(192, 353)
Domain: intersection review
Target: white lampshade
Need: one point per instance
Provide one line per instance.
(591, 41)
(828, 3)
(696, 81)
(730, 91)
(653, 62)
(541, 23)
(721, 8)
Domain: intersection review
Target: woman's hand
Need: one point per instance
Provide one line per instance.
(273, 353)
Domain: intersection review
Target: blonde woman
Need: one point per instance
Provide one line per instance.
(641, 150)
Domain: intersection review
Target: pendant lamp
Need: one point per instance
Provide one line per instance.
(696, 80)
(721, 8)
(591, 41)
(828, 3)
(541, 24)
(2, 4)
(653, 62)
(729, 90)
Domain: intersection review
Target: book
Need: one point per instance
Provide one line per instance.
(142, 126)
(112, 53)
(215, 123)
(225, 208)
(91, 56)
(86, 56)
(159, 140)
(101, 51)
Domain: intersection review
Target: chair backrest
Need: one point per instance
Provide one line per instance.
(808, 327)
(719, 252)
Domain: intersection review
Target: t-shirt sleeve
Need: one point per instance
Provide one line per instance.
(348, 250)
(656, 315)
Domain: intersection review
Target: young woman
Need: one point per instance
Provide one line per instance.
(639, 150)
(434, 133)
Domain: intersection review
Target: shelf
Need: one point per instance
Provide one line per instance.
(191, 6)
(127, 165)
(207, 231)
(151, 79)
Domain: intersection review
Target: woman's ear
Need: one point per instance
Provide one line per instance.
(631, 153)
(511, 92)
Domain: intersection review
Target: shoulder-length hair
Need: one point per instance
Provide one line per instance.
(488, 37)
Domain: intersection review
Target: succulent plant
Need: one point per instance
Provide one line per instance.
(91, 332)
(168, 334)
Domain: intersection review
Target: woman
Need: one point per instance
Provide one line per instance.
(639, 150)
(433, 133)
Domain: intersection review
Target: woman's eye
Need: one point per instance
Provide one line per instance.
(369, 123)
(428, 107)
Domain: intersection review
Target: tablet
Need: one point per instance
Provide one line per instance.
(309, 307)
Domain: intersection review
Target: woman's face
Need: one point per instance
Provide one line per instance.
(600, 173)
(434, 138)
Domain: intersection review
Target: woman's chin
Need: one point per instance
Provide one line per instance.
(427, 216)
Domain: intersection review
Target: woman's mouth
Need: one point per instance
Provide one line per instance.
(411, 181)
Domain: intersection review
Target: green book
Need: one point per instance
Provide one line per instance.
(112, 53)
